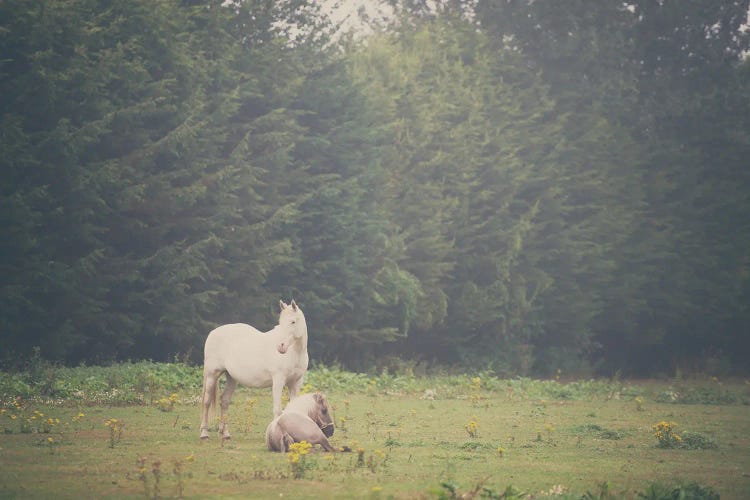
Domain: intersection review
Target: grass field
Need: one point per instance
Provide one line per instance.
(423, 438)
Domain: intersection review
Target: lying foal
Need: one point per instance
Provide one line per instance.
(305, 418)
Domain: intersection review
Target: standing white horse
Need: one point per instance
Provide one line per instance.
(255, 359)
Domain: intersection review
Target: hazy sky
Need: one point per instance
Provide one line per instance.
(347, 11)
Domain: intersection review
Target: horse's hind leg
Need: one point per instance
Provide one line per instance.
(286, 442)
(226, 398)
(210, 386)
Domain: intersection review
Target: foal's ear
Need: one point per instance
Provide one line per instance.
(294, 305)
(282, 305)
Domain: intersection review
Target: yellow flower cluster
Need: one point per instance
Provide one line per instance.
(476, 383)
(167, 404)
(295, 456)
(664, 432)
(297, 451)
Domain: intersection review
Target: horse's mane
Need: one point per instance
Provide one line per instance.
(304, 404)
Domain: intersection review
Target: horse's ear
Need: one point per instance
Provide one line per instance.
(282, 305)
(294, 305)
(319, 398)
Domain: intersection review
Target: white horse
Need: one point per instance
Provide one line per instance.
(252, 358)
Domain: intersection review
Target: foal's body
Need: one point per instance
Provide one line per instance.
(252, 358)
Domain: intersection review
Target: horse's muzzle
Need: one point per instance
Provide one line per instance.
(327, 429)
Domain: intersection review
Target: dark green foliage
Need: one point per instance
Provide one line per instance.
(520, 186)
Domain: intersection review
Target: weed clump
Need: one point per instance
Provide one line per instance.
(668, 438)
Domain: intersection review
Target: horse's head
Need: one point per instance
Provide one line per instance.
(321, 414)
(293, 326)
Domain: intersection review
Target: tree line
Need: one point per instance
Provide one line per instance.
(517, 186)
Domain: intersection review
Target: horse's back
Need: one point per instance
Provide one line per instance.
(232, 329)
(225, 340)
(246, 353)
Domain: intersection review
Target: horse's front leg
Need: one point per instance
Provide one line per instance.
(277, 388)
(295, 387)
(226, 399)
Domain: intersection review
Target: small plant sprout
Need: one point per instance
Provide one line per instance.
(141, 464)
(177, 470)
(156, 471)
(639, 403)
(115, 431)
(50, 424)
(476, 391)
(472, 427)
(77, 420)
(377, 460)
(549, 429)
(250, 411)
(500, 451)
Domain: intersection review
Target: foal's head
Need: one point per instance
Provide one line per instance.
(316, 407)
(292, 321)
(321, 414)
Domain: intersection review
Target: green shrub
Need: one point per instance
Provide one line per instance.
(658, 491)
(696, 441)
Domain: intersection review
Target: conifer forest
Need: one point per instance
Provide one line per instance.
(513, 185)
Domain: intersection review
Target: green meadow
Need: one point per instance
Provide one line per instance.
(131, 431)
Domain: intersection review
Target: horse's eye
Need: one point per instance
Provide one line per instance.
(325, 410)
(294, 321)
